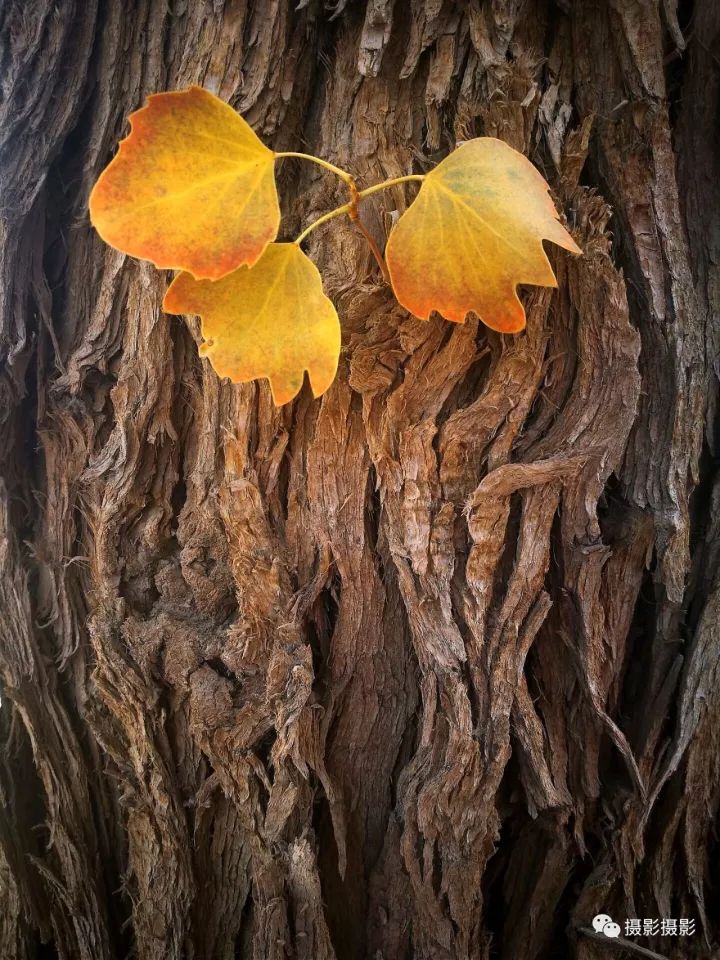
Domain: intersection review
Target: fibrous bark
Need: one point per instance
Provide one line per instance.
(428, 668)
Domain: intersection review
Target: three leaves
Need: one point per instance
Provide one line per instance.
(192, 188)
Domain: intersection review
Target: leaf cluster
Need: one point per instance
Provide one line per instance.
(192, 188)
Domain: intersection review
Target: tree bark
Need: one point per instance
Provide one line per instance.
(428, 668)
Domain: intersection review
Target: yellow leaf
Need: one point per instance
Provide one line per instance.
(192, 187)
(472, 234)
(270, 320)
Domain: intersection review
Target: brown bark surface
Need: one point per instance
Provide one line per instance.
(429, 668)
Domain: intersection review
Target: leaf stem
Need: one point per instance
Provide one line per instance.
(338, 171)
(390, 183)
(351, 208)
(337, 212)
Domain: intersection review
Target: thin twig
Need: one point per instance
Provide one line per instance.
(620, 943)
(372, 244)
(354, 215)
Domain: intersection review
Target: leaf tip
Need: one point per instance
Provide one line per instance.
(320, 382)
(175, 300)
(506, 316)
(282, 394)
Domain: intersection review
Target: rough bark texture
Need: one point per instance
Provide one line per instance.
(429, 668)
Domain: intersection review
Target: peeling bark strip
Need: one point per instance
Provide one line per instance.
(429, 669)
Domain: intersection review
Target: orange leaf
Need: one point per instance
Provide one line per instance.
(270, 320)
(192, 188)
(472, 234)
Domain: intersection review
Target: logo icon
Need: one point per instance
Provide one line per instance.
(602, 923)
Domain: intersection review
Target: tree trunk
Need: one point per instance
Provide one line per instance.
(428, 668)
